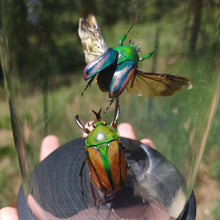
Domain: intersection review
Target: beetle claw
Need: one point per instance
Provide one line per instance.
(79, 123)
(110, 103)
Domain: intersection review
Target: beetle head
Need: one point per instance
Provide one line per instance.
(98, 121)
(133, 44)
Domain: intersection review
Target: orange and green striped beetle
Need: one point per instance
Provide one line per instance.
(104, 153)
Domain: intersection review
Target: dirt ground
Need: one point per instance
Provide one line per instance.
(207, 194)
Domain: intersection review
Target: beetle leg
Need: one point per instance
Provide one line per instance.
(117, 112)
(110, 103)
(92, 189)
(125, 36)
(149, 54)
(132, 155)
(80, 175)
(132, 172)
(79, 123)
(88, 84)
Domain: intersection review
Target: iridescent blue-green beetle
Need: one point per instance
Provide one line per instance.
(117, 67)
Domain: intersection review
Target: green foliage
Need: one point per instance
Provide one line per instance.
(5, 121)
(216, 210)
(214, 138)
(9, 175)
(215, 169)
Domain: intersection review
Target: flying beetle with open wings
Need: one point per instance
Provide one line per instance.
(116, 68)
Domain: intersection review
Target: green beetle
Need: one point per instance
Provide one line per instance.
(104, 153)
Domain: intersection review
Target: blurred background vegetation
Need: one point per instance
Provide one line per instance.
(53, 60)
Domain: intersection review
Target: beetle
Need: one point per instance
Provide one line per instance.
(104, 153)
(116, 68)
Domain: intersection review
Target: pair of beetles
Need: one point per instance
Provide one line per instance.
(116, 69)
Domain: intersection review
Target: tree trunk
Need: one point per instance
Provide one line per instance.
(197, 14)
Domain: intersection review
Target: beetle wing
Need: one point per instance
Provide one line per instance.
(91, 38)
(100, 63)
(121, 77)
(155, 84)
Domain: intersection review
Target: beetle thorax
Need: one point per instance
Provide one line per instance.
(127, 53)
(101, 134)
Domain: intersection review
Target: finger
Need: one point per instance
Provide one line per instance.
(126, 130)
(48, 145)
(9, 213)
(148, 142)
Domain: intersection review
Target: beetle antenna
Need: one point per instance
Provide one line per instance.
(117, 112)
(97, 114)
(79, 123)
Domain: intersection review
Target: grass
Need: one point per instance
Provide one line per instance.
(9, 168)
(215, 210)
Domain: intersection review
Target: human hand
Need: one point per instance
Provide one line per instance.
(49, 144)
